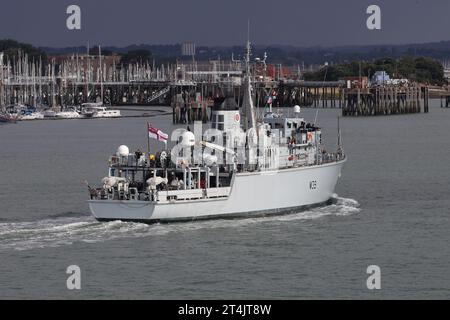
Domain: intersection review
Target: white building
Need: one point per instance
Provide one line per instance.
(380, 78)
(446, 66)
(447, 74)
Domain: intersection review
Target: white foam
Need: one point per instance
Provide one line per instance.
(65, 231)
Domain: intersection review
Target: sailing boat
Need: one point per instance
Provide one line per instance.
(97, 109)
(8, 117)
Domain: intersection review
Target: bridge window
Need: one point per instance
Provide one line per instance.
(220, 121)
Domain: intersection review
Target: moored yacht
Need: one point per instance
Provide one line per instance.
(69, 113)
(30, 113)
(97, 110)
(6, 117)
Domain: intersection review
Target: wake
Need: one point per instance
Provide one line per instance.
(64, 231)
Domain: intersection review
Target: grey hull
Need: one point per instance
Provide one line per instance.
(257, 193)
(254, 214)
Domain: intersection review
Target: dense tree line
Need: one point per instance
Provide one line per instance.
(11, 50)
(133, 54)
(143, 56)
(136, 56)
(403, 61)
(422, 69)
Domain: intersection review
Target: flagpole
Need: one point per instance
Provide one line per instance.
(148, 141)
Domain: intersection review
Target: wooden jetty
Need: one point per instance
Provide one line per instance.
(447, 101)
(310, 93)
(190, 89)
(445, 98)
(380, 100)
(385, 100)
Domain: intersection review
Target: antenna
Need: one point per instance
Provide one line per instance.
(339, 131)
(339, 142)
(247, 104)
(248, 47)
(101, 72)
(88, 72)
(323, 85)
(248, 30)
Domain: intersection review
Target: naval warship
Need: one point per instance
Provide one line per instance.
(242, 166)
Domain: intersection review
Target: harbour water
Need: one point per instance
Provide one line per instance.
(391, 209)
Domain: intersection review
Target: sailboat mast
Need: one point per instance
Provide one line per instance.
(101, 72)
(247, 103)
(88, 66)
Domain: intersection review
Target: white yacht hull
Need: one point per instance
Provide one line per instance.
(33, 116)
(68, 115)
(107, 114)
(257, 193)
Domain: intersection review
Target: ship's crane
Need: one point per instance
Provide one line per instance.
(217, 147)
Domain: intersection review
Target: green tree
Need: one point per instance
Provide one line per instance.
(136, 56)
(94, 51)
(11, 49)
(424, 70)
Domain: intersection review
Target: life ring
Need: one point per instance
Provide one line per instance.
(310, 136)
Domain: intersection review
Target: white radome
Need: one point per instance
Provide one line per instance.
(112, 181)
(210, 159)
(123, 151)
(296, 108)
(188, 139)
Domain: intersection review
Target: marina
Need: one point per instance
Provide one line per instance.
(69, 83)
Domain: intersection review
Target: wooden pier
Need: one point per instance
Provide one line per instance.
(445, 99)
(310, 93)
(385, 100)
(190, 91)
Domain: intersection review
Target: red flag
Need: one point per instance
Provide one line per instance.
(157, 134)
